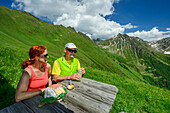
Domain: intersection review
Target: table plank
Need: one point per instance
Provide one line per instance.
(88, 96)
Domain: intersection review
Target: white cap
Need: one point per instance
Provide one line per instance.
(70, 45)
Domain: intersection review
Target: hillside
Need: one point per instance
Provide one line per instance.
(162, 45)
(21, 30)
(139, 55)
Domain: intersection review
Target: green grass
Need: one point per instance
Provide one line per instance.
(133, 95)
(20, 30)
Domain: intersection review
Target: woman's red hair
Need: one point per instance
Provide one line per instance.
(34, 52)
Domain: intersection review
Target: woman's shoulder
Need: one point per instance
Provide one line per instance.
(48, 65)
(28, 71)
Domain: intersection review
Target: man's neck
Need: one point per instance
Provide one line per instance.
(67, 58)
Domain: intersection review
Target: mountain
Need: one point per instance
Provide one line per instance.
(139, 55)
(138, 92)
(162, 45)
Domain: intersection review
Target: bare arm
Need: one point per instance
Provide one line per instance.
(75, 76)
(49, 78)
(21, 91)
(49, 74)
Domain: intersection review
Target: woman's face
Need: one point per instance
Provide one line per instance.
(43, 57)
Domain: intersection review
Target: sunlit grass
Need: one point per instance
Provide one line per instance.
(133, 96)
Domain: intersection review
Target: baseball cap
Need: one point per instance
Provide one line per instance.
(70, 45)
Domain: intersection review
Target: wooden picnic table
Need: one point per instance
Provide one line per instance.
(88, 96)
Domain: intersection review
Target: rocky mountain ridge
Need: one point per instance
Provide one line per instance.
(162, 45)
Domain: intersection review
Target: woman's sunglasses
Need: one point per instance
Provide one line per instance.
(45, 56)
(70, 50)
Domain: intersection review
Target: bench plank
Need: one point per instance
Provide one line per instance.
(52, 108)
(31, 106)
(17, 108)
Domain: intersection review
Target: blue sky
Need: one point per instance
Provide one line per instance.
(144, 13)
(146, 19)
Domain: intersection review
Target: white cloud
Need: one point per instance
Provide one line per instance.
(129, 26)
(19, 5)
(168, 29)
(152, 35)
(83, 15)
(86, 16)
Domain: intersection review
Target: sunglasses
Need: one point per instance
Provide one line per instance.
(45, 56)
(70, 50)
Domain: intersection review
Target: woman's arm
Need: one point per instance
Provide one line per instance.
(49, 78)
(49, 74)
(21, 91)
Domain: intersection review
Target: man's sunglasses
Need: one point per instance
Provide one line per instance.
(70, 50)
(44, 55)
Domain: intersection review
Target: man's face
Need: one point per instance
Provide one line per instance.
(70, 52)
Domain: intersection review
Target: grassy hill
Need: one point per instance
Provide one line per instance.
(21, 30)
(24, 30)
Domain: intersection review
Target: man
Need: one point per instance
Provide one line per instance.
(66, 68)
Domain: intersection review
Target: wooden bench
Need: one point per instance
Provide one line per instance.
(88, 96)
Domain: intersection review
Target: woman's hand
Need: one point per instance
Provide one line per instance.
(54, 86)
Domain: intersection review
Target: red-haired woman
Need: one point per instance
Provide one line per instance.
(36, 74)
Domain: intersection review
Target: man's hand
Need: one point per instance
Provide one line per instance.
(82, 70)
(75, 76)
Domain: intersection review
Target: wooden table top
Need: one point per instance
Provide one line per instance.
(88, 96)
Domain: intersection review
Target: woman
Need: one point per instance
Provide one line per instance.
(36, 74)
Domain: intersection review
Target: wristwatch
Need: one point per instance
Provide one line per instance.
(53, 82)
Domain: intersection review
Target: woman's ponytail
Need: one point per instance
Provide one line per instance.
(25, 63)
(34, 53)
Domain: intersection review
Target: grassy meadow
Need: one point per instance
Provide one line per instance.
(133, 96)
(20, 30)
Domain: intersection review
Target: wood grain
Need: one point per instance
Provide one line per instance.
(88, 96)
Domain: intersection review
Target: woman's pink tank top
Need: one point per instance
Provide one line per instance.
(37, 82)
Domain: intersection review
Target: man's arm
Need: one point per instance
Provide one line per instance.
(75, 76)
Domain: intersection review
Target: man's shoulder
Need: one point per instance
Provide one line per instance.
(59, 58)
(76, 59)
